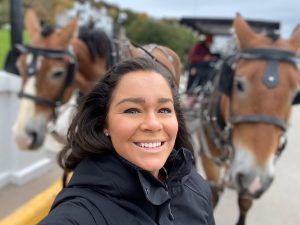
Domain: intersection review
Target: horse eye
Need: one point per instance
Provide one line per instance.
(58, 74)
(240, 86)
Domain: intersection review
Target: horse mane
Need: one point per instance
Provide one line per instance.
(96, 40)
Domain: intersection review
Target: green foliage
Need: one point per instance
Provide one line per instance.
(144, 30)
(48, 10)
(4, 12)
(172, 35)
(5, 44)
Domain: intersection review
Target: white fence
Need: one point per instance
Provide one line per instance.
(16, 166)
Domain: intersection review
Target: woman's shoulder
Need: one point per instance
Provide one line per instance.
(196, 183)
(73, 211)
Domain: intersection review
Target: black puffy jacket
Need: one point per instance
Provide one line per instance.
(108, 190)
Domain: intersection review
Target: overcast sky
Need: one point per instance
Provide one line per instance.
(287, 12)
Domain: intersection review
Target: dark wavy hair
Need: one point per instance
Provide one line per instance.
(85, 135)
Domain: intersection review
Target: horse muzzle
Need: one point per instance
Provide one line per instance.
(32, 136)
(252, 186)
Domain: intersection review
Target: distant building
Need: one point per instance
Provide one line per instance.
(87, 14)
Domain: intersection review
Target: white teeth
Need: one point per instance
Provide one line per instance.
(149, 145)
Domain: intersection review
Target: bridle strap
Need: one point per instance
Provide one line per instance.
(39, 100)
(149, 54)
(270, 79)
(260, 119)
(48, 53)
(272, 56)
(269, 54)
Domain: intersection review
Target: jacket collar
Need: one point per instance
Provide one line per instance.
(114, 176)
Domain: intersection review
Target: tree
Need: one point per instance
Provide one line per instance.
(48, 10)
(144, 31)
(4, 12)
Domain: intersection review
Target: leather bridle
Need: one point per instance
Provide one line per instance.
(32, 69)
(270, 79)
(209, 97)
(210, 121)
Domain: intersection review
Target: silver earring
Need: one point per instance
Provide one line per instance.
(106, 133)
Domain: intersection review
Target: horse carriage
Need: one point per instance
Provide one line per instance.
(239, 115)
(250, 94)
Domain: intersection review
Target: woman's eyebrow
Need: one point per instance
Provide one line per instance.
(164, 100)
(142, 100)
(134, 100)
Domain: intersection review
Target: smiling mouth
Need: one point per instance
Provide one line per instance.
(150, 145)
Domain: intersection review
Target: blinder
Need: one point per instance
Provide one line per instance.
(52, 54)
(226, 76)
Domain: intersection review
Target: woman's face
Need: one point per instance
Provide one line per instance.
(141, 121)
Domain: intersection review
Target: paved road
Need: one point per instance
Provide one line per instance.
(280, 205)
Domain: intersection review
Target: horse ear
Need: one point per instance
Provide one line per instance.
(32, 24)
(68, 32)
(295, 38)
(243, 32)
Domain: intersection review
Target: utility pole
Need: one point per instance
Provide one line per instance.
(16, 35)
(16, 21)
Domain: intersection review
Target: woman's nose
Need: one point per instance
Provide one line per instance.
(151, 122)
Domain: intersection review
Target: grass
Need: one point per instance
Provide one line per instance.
(5, 44)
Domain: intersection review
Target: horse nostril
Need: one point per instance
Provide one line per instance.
(35, 131)
(33, 134)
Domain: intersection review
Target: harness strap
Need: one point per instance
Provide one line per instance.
(269, 54)
(38, 100)
(148, 53)
(49, 53)
(260, 119)
(155, 46)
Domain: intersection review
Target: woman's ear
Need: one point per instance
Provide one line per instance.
(106, 133)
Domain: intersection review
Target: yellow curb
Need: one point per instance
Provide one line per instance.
(34, 210)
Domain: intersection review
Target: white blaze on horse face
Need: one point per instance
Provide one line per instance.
(25, 113)
(66, 112)
(294, 94)
(246, 174)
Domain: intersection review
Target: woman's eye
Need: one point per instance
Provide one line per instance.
(165, 110)
(132, 111)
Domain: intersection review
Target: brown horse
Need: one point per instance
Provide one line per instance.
(244, 113)
(56, 63)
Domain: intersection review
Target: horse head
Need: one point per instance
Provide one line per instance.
(47, 67)
(265, 82)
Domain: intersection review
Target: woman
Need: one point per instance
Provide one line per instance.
(127, 147)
